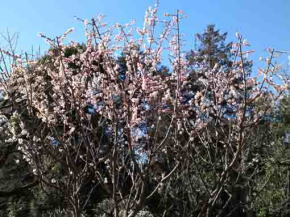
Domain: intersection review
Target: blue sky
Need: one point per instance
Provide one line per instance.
(264, 23)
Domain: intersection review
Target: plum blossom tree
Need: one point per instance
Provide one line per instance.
(93, 131)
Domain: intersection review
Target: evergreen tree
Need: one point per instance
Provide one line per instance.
(212, 49)
(214, 55)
